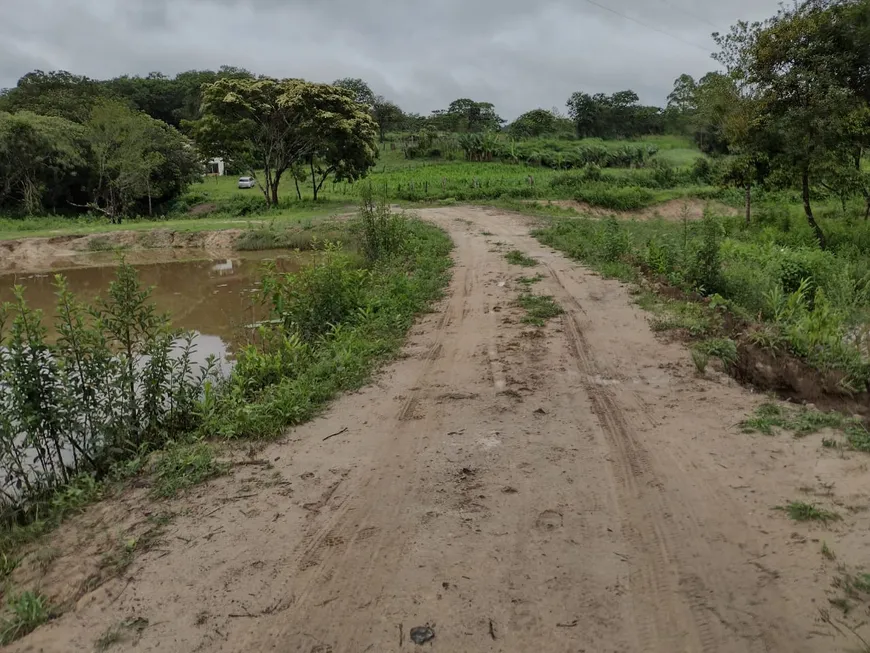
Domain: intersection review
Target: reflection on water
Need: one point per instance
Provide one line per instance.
(215, 296)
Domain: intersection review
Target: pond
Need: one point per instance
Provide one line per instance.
(214, 295)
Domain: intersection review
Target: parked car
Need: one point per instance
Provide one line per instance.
(247, 182)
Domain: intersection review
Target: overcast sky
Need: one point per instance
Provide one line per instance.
(517, 54)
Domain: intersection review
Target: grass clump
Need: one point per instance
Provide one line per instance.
(700, 359)
(539, 308)
(28, 611)
(530, 281)
(827, 552)
(801, 511)
(724, 349)
(805, 421)
(183, 465)
(516, 257)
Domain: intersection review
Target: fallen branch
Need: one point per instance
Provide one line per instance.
(344, 430)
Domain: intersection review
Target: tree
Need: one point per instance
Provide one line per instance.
(39, 158)
(612, 116)
(465, 115)
(682, 98)
(272, 125)
(134, 159)
(359, 89)
(533, 124)
(342, 137)
(247, 121)
(387, 115)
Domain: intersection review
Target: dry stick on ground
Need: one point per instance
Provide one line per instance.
(344, 430)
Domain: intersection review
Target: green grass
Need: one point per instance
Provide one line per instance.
(516, 257)
(678, 315)
(183, 465)
(12, 228)
(530, 281)
(804, 421)
(539, 308)
(28, 610)
(800, 421)
(801, 511)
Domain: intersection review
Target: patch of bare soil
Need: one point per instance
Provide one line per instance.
(692, 208)
(503, 488)
(28, 255)
(203, 209)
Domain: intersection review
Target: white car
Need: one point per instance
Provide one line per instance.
(247, 182)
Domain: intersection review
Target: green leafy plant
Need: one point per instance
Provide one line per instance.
(700, 359)
(28, 611)
(801, 511)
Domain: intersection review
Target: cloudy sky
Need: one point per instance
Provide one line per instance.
(518, 54)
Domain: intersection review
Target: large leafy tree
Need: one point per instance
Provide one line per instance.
(270, 126)
(612, 116)
(342, 136)
(466, 115)
(387, 115)
(135, 161)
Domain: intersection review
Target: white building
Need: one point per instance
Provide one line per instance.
(216, 166)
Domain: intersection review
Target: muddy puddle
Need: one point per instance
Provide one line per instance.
(214, 295)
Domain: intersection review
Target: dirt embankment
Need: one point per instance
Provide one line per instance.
(575, 487)
(42, 254)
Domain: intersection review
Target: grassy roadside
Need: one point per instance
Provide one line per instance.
(744, 295)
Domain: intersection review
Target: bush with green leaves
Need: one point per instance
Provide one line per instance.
(384, 233)
(706, 272)
(118, 379)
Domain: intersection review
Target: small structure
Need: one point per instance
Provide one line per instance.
(216, 166)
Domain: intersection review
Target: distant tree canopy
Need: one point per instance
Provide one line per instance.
(359, 89)
(465, 115)
(613, 116)
(63, 94)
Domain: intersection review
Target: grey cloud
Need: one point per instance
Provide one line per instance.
(518, 54)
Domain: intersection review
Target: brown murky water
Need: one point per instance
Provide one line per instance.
(215, 296)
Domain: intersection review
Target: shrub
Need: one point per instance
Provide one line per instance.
(116, 382)
(384, 233)
(706, 268)
(325, 293)
(617, 199)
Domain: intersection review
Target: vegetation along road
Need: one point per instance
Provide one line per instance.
(510, 486)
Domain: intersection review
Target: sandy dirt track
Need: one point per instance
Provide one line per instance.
(573, 488)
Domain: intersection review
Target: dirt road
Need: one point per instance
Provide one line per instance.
(574, 488)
